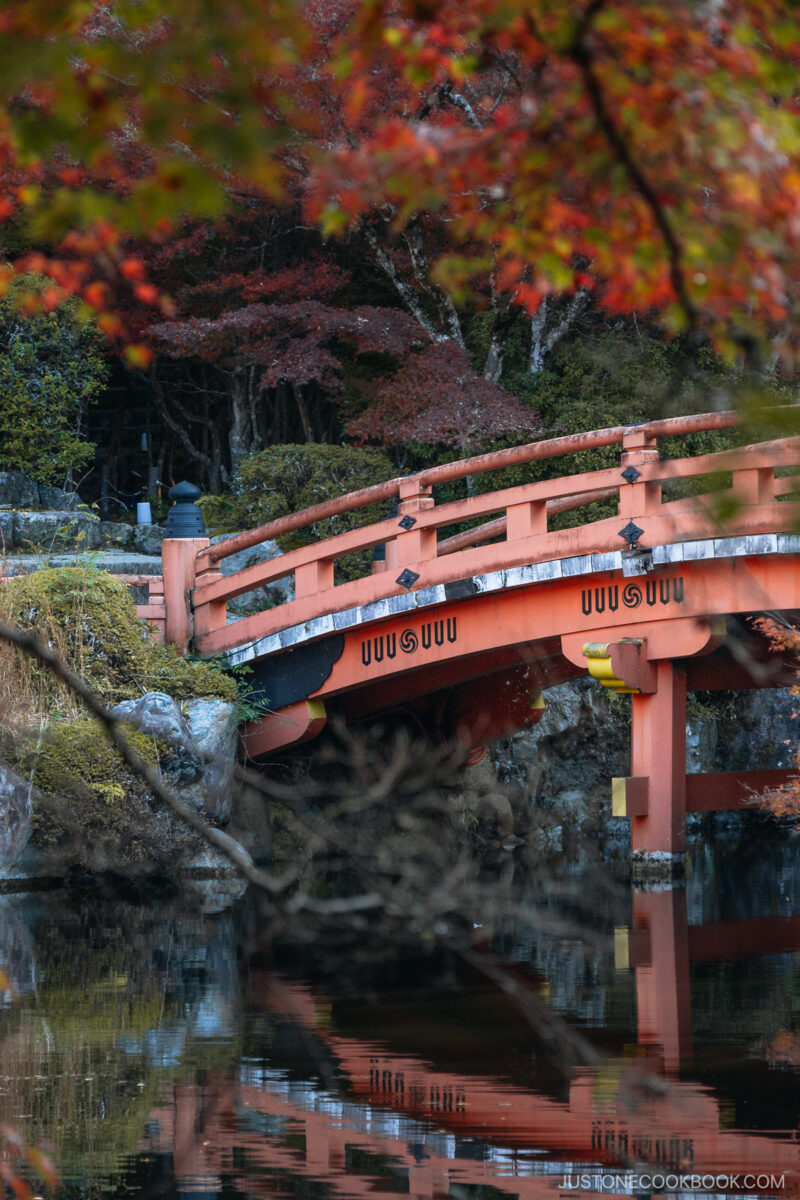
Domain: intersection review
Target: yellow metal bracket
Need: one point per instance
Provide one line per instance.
(598, 663)
(622, 665)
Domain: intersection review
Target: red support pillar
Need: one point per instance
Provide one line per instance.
(658, 753)
(192, 1154)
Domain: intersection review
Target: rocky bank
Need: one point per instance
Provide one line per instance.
(559, 772)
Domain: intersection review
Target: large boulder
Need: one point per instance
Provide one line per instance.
(147, 539)
(18, 490)
(214, 728)
(55, 530)
(7, 533)
(16, 804)
(158, 716)
(279, 592)
(202, 747)
(115, 534)
(55, 497)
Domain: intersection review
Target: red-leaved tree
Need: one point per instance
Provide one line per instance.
(543, 149)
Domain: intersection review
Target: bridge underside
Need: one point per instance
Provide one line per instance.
(474, 668)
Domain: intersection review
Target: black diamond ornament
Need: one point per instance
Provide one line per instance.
(407, 579)
(407, 523)
(631, 474)
(631, 533)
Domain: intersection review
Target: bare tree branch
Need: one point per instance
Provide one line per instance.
(423, 895)
(583, 58)
(401, 286)
(459, 101)
(114, 729)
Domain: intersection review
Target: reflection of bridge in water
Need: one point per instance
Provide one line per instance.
(461, 634)
(403, 1123)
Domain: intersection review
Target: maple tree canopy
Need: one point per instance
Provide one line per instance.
(648, 153)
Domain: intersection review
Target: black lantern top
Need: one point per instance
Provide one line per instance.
(184, 519)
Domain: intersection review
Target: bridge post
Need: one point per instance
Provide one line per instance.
(413, 545)
(179, 549)
(659, 942)
(658, 753)
(638, 499)
(178, 568)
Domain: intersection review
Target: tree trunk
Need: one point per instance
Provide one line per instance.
(542, 339)
(239, 440)
(305, 421)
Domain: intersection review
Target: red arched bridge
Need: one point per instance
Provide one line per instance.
(463, 633)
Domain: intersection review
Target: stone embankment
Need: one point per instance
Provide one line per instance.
(47, 527)
(560, 770)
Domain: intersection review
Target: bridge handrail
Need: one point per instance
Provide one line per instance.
(340, 545)
(448, 472)
(556, 495)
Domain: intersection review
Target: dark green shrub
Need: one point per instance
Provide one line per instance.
(50, 371)
(285, 479)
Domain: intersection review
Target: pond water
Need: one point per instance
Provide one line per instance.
(621, 1041)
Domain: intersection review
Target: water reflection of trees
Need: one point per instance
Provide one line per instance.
(122, 999)
(157, 1046)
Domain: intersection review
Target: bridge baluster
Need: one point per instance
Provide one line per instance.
(523, 520)
(638, 499)
(313, 577)
(754, 485)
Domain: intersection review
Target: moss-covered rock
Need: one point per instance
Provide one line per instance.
(89, 618)
(82, 778)
(93, 811)
(90, 810)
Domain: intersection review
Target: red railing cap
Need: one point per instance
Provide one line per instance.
(495, 460)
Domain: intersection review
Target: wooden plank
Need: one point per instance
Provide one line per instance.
(726, 791)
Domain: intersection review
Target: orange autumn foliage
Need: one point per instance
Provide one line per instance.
(782, 802)
(647, 153)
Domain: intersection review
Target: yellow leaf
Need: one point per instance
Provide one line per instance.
(138, 356)
(744, 188)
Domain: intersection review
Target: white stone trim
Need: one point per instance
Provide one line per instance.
(751, 545)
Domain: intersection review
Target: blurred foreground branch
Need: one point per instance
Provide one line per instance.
(115, 731)
(379, 845)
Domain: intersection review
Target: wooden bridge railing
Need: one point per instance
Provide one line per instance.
(410, 537)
